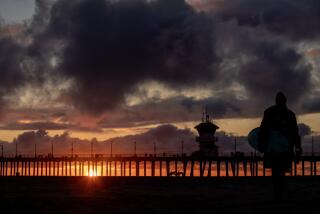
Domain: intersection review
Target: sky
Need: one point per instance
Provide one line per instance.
(17, 10)
(117, 68)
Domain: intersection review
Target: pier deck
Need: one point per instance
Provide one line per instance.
(148, 166)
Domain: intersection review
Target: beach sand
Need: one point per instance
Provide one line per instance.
(156, 195)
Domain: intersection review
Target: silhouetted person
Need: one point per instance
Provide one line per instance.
(279, 118)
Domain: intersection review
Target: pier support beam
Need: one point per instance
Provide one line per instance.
(137, 168)
(168, 167)
(185, 163)
(209, 168)
(192, 168)
(245, 167)
(227, 168)
(202, 167)
(152, 168)
(219, 168)
(101, 163)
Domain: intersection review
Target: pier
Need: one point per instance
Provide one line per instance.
(149, 166)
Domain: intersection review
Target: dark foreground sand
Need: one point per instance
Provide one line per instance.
(155, 195)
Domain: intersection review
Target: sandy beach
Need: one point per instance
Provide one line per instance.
(155, 195)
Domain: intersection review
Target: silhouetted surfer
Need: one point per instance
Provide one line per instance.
(279, 119)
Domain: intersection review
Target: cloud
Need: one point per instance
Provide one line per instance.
(11, 75)
(111, 47)
(49, 126)
(297, 20)
(34, 126)
(304, 129)
(229, 143)
(88, 57)
(167, 138)
(269, 73)
(178, 47)
(312, 105)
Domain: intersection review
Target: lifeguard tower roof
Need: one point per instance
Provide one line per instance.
(206, 127)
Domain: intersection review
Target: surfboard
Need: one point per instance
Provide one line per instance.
(276, 142)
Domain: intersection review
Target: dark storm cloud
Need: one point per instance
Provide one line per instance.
(312, 105)
(11, 75)
(177, 110)
(218, 107)
(173, 110)
(294, 19)
(109, 48)
(11, 54)
(276, 68)
(265, 32)
(112, 47)
(164, 111)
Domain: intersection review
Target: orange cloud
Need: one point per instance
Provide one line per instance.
(11, 30)
(313, 52)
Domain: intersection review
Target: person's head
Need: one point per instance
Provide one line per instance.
(281, 99)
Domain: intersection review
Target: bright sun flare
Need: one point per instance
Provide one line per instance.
(92, 173)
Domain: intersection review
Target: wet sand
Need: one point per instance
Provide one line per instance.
(156, 195)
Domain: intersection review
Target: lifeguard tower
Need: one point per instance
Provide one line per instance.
(206, 138)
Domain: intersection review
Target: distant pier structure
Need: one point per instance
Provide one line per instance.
(207, 139)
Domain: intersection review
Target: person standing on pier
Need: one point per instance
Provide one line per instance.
(279, 119)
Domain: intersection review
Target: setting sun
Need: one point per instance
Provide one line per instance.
(92, 173)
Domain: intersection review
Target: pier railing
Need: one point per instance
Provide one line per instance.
(149, 166)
